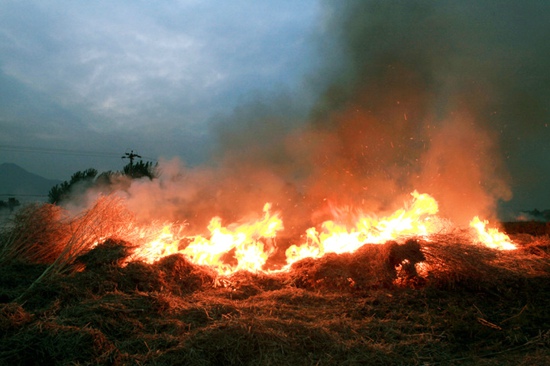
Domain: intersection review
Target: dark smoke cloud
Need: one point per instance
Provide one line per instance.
(428, 95)
(434, 96)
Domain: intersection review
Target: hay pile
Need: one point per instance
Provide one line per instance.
(443, 301)
(371, 266)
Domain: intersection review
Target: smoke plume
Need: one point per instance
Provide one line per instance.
(410, 95)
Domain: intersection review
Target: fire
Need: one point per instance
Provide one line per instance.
(164, 244)
(152, 241)
(248, 245)
(491, 237)
(251, 242)
(417, 220)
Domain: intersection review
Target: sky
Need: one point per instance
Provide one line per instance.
(107, 77)
(367, 98)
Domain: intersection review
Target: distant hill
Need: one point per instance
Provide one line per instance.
(23, 185)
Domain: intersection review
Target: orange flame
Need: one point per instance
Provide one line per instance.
(153, 241)
(248, 245)
(418, 220)
(491, 237)
(248, 240)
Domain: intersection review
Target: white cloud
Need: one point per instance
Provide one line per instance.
(126, 60)
(110, 75)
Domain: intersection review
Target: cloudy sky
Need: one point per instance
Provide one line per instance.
(82, 83)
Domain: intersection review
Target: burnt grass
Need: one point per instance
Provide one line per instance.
(438, 302)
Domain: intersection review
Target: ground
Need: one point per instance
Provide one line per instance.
(461, 304)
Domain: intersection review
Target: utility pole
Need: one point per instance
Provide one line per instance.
(131, 156)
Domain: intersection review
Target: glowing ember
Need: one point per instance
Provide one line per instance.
(491, 237)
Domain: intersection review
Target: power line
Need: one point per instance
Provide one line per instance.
(22, 195)
(44, 150)
(131, 156)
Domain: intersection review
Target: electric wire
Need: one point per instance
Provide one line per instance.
(22, 195)
(57, 151)
(43, 150)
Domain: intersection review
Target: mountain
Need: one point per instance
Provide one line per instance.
(23, 185)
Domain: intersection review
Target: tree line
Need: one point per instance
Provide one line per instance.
(89, 178)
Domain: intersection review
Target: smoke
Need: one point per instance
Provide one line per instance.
(429, 95)
(399, 114)
(410, 95)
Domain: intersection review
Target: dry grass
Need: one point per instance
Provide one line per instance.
(37, 234)
(439, 302)
(45, 234)
(451, 261)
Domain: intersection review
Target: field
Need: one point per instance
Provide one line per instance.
(442, 301)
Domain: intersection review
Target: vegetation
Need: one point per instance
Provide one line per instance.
(83, 180)
(140, 170)
(64, 300)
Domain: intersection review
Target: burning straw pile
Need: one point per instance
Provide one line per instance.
(70, 295)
